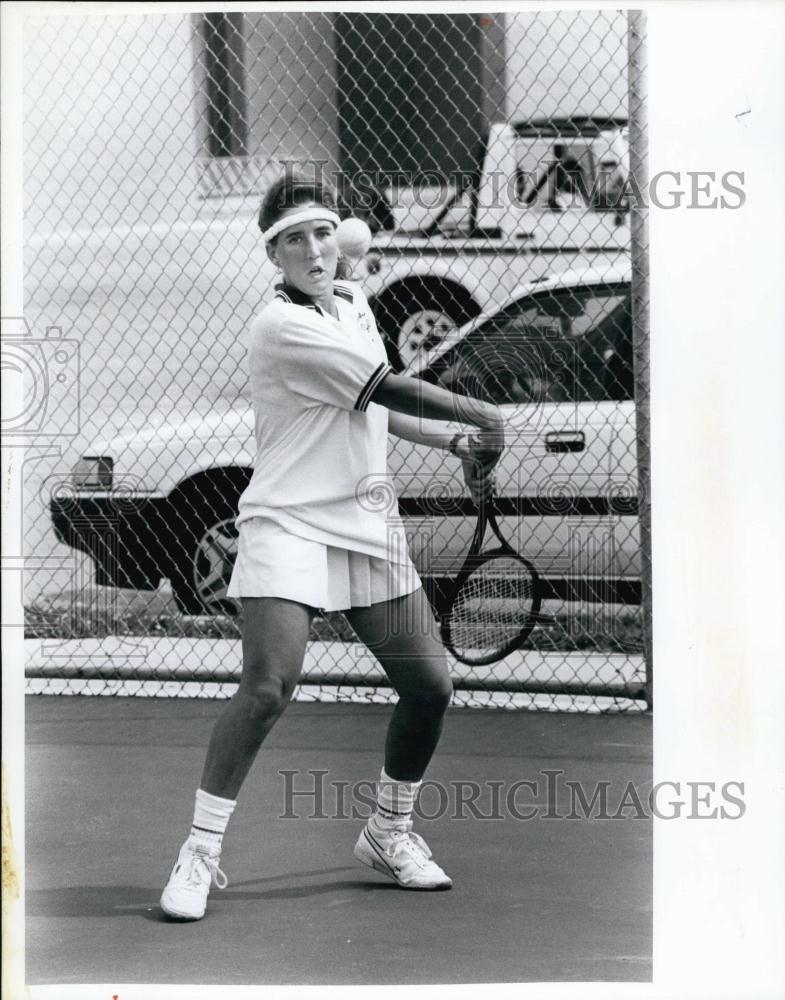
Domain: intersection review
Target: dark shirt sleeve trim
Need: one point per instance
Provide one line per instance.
(343, 293)
(368, 389)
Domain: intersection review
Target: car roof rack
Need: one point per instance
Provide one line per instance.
(574, 125)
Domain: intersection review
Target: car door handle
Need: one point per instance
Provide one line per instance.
(561, 441)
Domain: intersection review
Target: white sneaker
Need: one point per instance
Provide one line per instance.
(402, 855)
(196, 869)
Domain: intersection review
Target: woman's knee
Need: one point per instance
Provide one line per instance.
(432, 697)
(267, 697)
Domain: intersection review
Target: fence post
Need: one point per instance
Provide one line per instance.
(638, 124)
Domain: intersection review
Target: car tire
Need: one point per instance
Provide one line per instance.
(206, 550)
(414, 317)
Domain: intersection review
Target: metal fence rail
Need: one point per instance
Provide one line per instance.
(490, 154)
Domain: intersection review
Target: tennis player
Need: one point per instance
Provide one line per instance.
(312, 534)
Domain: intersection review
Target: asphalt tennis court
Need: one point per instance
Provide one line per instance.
(110, 785)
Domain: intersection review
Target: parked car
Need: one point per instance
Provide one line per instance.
(557, 358)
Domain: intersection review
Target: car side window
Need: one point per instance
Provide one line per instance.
(568, 346)
(606, 349)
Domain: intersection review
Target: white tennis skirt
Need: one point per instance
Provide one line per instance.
(272, 562)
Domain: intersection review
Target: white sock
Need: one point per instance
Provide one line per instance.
(394, 802)
(211, 816)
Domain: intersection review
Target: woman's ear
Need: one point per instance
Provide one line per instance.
(270, 248)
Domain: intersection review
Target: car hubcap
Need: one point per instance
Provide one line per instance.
(421, 332)
(212, 567)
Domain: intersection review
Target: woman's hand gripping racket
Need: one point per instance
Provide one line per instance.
(495, 601)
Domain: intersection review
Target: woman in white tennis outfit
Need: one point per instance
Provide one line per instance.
(313, 534)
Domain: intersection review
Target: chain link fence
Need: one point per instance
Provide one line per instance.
(490, 155)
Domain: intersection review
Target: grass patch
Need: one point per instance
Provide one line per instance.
(103, 612)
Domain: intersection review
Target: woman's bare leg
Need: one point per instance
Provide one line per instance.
(275, 632)
(403, 635)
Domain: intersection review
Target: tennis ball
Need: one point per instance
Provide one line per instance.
(353, 237)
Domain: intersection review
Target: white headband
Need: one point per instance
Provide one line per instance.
(306, 215)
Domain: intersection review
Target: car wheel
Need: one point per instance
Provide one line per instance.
(420, 332)
(414, 319)
(201, 574)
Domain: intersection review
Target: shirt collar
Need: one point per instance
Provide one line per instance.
(291, 294)
(288, 293)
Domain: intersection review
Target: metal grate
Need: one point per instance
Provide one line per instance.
(490, 155)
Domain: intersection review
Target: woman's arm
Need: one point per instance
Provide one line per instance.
(415, 398)
(436, 434)
(418, 409)
(432, 433)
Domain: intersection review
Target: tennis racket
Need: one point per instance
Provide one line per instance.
(495, 600)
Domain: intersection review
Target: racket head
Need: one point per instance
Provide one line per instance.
(493, 608)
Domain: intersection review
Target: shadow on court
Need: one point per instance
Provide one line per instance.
(541, 892)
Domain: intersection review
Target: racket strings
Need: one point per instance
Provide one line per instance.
(492, 606)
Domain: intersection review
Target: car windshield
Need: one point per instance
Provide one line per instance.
(572, 345)
(572, 170)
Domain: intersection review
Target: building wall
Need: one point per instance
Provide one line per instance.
(291, 87)
(566, 63)
(493, 62)
(410, 91)
(115, 107)
(109, 105)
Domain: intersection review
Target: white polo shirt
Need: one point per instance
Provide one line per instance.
(321, 445)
